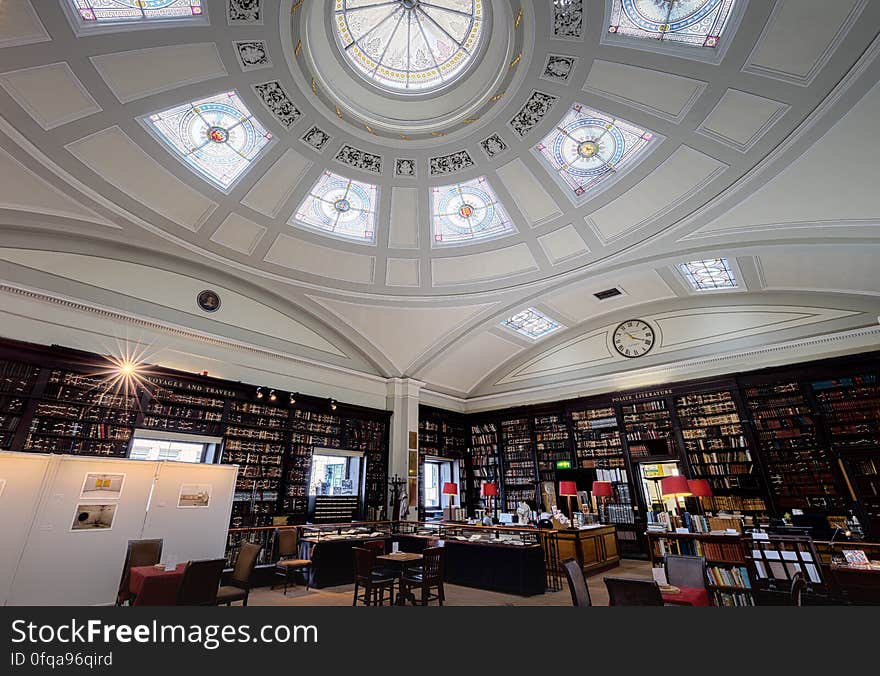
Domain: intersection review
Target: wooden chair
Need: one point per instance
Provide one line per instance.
(430, 580)
(577, 583)
(370, 586)
(239, 587)
(624, 591)
(201, 582)
(686, 571)
(288, 557)
(138, 553)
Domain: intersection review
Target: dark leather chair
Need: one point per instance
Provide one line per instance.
(686, 571)
(288, 557)
(201, 581)
(577, 583)
(624, 591)
(429, 581)
(239, 587)
(138, 553)
(370, 586)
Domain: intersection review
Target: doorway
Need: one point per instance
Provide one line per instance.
(650, 474)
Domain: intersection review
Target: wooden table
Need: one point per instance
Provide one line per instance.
(399, 563)
(153, 586)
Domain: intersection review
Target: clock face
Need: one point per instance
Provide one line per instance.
(633, 338)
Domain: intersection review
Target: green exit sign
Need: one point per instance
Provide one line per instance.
(563, 464)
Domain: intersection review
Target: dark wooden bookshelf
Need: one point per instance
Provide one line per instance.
(59, 400)
(444, 434)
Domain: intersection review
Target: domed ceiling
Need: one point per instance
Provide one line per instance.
(440, 188)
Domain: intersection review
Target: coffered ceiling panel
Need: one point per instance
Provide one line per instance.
(655, 91)
(562, 244)
(801, 36)
(833, 182)
(138, 73)
(685, 172)
(740, 118)
(121, 162)
(20, 25)
(479, 267)
(52, 94)
(324, 261)
(531, 198)
(239, 233)
(274, 187)
(846, 270)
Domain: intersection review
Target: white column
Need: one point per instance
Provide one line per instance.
(403, 400)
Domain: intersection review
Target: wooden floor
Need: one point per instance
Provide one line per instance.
(455, 595)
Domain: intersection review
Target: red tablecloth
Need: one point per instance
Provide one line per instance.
(153, 586)
(688, 596)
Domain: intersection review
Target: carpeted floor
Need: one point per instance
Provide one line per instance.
(455, 596)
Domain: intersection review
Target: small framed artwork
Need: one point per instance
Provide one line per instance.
(194, 496)
(93, 517)
(102, 486)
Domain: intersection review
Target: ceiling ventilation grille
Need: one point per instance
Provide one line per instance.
(608, 293)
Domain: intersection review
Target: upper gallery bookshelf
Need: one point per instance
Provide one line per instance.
(16, 383)
(484, 461)
(799, 468)
(717, 447)
(850, 405)
(518, 463)
(443, 434)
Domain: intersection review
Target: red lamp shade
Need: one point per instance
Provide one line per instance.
(568, 488)
(602, 489)
(675, 486)
(700, 488)
(490, 490)
(450, 488)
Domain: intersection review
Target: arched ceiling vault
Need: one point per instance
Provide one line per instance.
(761, 151)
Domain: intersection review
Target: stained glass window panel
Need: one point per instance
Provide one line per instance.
(124, 11)
(699, 23)
(709, 274)
(531, 323)
(409, 45)
(467, 211)
(588, 148)
(340, 206)
(218, 136)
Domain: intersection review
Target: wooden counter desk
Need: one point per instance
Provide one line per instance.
(595, 547)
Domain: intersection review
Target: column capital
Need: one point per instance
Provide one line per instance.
(403, 387)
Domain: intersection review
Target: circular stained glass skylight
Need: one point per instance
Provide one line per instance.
(410, 46)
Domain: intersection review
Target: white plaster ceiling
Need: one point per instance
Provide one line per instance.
(767, 157)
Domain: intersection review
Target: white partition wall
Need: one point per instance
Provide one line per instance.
(22, 476)
(63, 566)
(68, 521)
(178, 514)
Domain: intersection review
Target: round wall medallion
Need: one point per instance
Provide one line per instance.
(209, 301)
(633, 338)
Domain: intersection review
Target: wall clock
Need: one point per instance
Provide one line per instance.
(633, 338)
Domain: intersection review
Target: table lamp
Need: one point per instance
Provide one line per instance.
(450, 489)
(490, 490)
(568, 489)
(700, 488)
(675, 487)
(603, 489)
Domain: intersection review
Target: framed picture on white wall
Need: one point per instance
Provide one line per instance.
(194, 496)
(102, 486)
